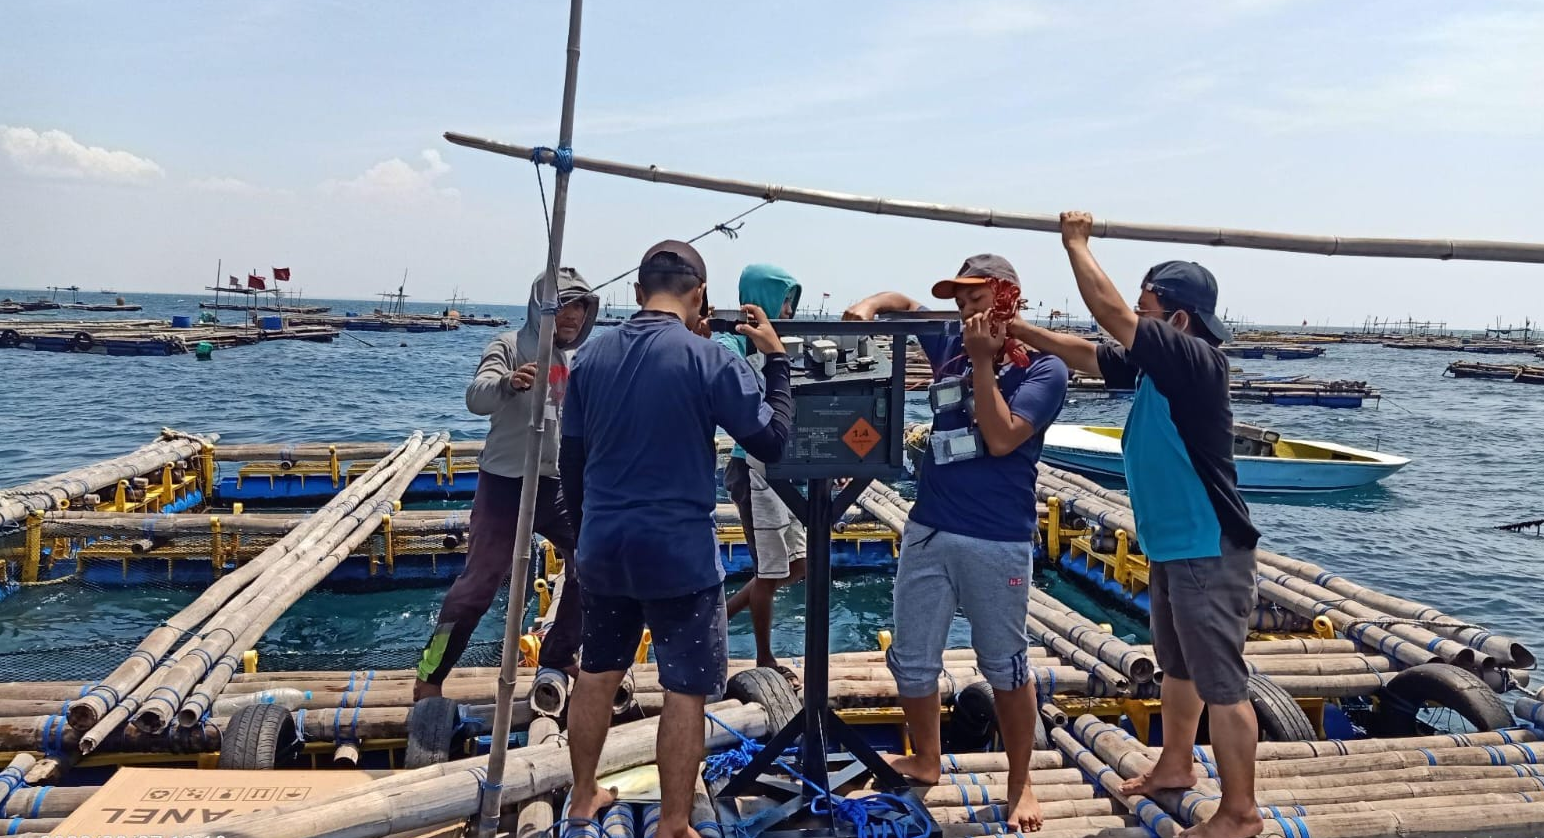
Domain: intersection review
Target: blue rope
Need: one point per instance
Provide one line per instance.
(37, 802)
(896, 816)
(15, 826)
(11, 779)
(562, 157)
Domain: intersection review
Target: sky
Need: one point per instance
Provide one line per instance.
(143, 145)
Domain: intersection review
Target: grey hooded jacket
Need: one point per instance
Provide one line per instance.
(508, 409)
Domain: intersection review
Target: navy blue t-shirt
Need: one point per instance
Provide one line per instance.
(646, 398)
(991, 498)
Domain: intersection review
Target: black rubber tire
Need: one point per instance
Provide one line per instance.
(1279, 717)
(82, 342)
(432, 725)
(975, 716)
(9, 338)
(260, 737)
(767, 687)
(1445, 685)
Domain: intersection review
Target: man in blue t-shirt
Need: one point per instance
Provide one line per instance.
(1191, 522)
(637, 463)
(971, 538)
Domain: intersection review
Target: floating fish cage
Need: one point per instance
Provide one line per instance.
(1379, 715)
(1272, 351)
(177, 336)
(1519, 373)
(1286, 390)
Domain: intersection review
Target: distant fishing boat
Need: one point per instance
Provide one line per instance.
(1273, 465)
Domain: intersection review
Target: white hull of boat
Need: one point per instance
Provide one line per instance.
(1077, 449)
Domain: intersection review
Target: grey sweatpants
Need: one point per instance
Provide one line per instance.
(989, 580)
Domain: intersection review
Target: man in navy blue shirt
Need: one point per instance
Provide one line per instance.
(638, 468)
(1191, 522)
(971, 538)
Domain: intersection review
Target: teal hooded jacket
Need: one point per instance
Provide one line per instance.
(767, 286)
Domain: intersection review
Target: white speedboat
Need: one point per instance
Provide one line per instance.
(1267, 463)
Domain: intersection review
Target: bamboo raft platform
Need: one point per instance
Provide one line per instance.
(414, 323)
(1519, 373)
(1340, 673)
(1472, 346)
(144, 337)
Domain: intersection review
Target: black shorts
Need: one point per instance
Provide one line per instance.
(691, 635)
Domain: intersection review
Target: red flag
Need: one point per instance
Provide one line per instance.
(281, 274)
(235, 283)
(255, 281)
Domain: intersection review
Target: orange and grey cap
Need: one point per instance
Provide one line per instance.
(976, 271)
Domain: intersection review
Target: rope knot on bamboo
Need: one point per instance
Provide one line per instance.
(562, 157)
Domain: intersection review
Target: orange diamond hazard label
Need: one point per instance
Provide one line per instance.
(861, 437)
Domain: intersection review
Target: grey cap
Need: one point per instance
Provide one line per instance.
(976, 271)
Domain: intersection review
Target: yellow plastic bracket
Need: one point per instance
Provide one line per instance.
(1053, 527)
(1323, 627)
(530, 650)
(885, 639)
(334, 467)
(643, 647)
(249, 661)
(34, 557)
(543, 596)
(216, 546)
(391, 544)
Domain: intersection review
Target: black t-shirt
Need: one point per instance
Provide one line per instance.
(1181, 424)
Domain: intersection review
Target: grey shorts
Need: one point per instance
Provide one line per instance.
(1200, 620)
(989, 580)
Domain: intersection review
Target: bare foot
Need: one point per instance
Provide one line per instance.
(586, 803)
(683, 832)
(918, 768)
(1227, 825)
(424, 689)
(1159, 779)
(1024, 812)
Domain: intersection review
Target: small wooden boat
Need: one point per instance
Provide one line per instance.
(1267, 463)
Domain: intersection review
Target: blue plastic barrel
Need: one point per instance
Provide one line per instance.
(181, 321)
(273, 323)
(350, 314)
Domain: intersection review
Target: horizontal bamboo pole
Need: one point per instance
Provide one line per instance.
(71, 522)
(48, 493)
(1087, 634)
(46, 801)
(1506, 651)
(998, 761)
(449, 792)
(1368, 635)
(1099, 825)
(994, 813)
(1212, 236)
(1155, 821)
(296, 452)
(997, 793)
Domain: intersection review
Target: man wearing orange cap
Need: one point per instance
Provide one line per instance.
(971, 538)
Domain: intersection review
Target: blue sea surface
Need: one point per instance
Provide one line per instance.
(1427, 533)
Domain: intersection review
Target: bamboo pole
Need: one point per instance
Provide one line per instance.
(1506, 651)
(1075, 655)
(1068, 824)
(296, 452)
(451, 791)
(50, 492)
(269, 606)
(525, 522)
(88, 711)
(987, 794)
(46, 801)
(1368, 635)
(120, 713)
(68, 523)
(1155, 821)
(1213, 236)
(1091, 638)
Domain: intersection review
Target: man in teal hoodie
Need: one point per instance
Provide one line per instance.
(773, 535)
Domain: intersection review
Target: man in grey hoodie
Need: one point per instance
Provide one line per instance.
(501, 390)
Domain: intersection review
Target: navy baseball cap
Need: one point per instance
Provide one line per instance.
(1187, 286)
(676, 257)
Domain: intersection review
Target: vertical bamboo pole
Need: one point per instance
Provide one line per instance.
(488, 819)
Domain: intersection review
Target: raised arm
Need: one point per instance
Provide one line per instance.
(1104, 302)
(884, 302)
(1076, 352)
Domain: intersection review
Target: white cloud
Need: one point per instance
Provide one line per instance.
(1469, 73)
(396, 180)
(56, 154)
(232, 186)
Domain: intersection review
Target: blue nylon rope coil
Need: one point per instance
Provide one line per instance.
(562, 157)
